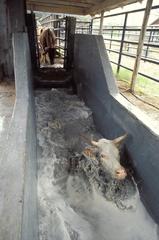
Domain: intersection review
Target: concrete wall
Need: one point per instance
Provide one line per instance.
(114, 116)
(18, 181)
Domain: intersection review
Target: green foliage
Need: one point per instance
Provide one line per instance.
(143, 85)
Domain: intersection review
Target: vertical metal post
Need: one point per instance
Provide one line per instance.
(65, 46)
(111, 36)
(33, 41)
(69, 44)
(101, 23)
(149, 40)
(153, 33)
(122, 42)
(140, 45)
(91, 26)
(60, 37)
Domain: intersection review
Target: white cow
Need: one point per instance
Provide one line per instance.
(110, 157)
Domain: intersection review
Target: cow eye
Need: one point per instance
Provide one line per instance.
(103, 156)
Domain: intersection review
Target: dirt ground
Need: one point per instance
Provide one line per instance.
(147, 104)
(7, 99)
(59, 63)
(7, 87)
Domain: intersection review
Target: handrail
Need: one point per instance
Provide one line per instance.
(127, 12)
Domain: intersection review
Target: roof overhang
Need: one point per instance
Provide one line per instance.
(79, 7)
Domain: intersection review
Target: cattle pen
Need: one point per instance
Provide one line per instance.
(78, 161)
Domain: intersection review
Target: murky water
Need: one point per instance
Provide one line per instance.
(67, 207)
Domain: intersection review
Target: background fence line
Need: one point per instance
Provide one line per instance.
(120, 40)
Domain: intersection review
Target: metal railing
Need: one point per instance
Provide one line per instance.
(84, 27)
(123, 41)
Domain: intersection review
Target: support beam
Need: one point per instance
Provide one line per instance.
(140, 45)
(101, 23)
(12, 19)
(82, 7)
(6, 65)
(56, 9)
(31, 27)
(60, 3)
(70, 33)
(107, 5)
(17, 11)
(122, 42)
(74, 2)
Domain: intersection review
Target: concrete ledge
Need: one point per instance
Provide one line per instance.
(113, 116)
(18, 183)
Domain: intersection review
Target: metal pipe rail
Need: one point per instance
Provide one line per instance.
(123, 13)
(142, 74)
(132, 42)
(126, 39)
(134, 56)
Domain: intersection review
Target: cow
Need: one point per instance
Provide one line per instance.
(48, 43)
(109, 156)
(99, 165)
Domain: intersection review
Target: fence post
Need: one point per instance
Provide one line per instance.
(101, 23)
(149, 40)
(140, 45)
(153, 33)
(33, 43)
(122, 42)
(111, 36)
(59, 37)
(91, 26)
(70, 32)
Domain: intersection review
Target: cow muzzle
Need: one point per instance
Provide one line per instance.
(120, 174)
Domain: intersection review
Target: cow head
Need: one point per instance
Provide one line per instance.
(110, 157)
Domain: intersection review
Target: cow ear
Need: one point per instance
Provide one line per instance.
(94, 143)
(118, 141)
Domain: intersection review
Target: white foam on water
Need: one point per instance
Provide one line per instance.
(67, 209)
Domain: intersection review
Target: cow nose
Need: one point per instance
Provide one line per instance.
(120, 174)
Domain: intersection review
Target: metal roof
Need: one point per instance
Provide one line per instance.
(79, 7)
